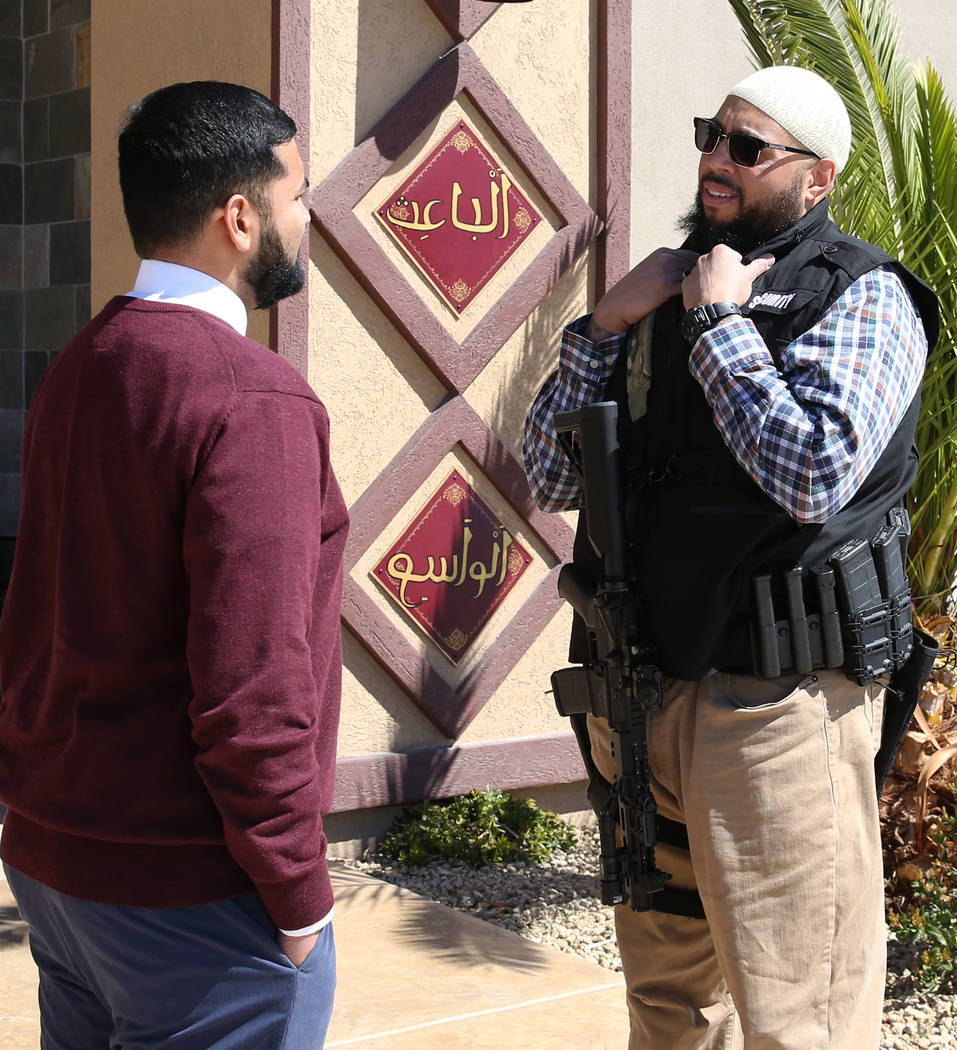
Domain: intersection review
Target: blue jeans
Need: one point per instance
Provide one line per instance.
(206, 977)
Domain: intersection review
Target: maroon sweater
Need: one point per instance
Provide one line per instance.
(170, 642)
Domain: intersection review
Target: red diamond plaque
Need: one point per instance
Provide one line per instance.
(459, 217)
(452, 567)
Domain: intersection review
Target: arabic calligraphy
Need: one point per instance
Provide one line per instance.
(401, 567)
(459, 216)
(423, 223)
(453, 566)
(398, 216)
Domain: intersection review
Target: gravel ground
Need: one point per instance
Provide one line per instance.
(558, 905)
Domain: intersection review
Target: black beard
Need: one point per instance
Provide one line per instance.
(272, 275)
(753, 227)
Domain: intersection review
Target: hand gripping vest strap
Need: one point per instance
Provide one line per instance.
(669, 899)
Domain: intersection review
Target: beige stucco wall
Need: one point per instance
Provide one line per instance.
(362, 64)
(928, 29)
(136, 48)
(686, 56)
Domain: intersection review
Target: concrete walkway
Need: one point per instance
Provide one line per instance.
(413, 975)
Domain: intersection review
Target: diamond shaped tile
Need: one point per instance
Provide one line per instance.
(451, 708)
(457, 363)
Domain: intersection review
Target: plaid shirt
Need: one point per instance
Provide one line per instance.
(808, 433)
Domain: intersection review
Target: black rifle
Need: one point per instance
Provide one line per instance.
(618, 683)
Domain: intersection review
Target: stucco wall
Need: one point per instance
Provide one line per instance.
(364, 60)
(137, 48)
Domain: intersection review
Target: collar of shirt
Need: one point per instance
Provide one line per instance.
(167, 282)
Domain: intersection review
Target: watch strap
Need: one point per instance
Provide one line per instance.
(700, 318)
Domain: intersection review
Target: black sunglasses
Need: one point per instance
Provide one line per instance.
(744, 149)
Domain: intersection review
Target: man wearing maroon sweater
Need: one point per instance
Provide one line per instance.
(170, 646)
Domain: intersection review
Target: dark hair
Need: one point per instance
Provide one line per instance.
(185, 149)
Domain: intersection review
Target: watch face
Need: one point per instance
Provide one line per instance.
(694, 323)
(700, 318)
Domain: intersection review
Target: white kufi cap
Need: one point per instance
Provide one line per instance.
(805, 105)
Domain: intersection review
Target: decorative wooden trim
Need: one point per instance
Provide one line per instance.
(390, 778)
(613, 250)
(453, 422)
(462, 18)
(456, 364)
(450, 708)
(289, 319)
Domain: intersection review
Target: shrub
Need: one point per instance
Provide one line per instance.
(482, 827)
(927, 916)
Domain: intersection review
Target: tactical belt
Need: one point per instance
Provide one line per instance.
(853, 613)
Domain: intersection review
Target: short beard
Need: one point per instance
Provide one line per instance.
(272, 275)
(753, 227)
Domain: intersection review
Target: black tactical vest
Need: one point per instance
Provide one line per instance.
(700, 528)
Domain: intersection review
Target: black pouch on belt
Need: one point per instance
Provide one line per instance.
(900, 701)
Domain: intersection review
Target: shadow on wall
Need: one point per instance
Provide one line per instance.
(416, 44)
(397, 47)
(541, 337)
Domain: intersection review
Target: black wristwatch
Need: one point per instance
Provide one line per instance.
(700, 318)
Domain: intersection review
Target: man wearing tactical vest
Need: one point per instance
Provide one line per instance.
(767, 377)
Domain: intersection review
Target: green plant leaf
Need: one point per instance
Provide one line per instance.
(483, 827)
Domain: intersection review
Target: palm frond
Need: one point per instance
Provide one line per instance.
(824, 35)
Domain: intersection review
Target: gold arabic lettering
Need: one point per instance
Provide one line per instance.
(422, 221)
(454, 570)
(422, 224)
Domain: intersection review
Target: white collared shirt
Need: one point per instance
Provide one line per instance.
(167, 282)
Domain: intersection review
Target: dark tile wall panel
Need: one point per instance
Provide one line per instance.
(11, 432)
(36, 129)
(36, 17)
(48, 188)
(36, 256)
(9, 512)
(68, 12)
(50, 63)
(11, 319)
(11, 137)
(11, 256)
(70, 123)
(34, 365)
(70, 253)
(11, 380)
(81, 186)
(11, 18)
(50, 317)
(44, 213)
(11, 67)
(11, 194)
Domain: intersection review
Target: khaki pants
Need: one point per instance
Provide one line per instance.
(775, 781)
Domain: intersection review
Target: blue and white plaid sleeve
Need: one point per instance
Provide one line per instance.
(810, 432)
(583, 370)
